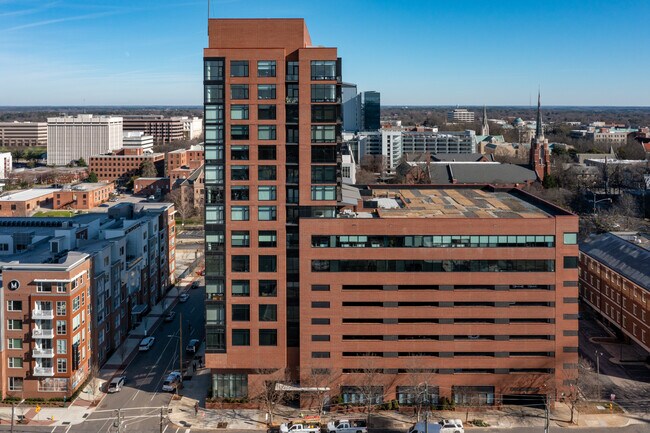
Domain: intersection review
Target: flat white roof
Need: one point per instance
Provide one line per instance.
(28, 194)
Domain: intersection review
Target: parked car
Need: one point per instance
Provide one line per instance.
(193, 346)
(195, 285)
(172, 381)
(170, 316)
(116, 384)
(300, 427)
(146, 343)
(183, 297)
(347, 426)
(444, 426)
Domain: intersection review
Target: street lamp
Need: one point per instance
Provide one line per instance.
(598, 355)
(598, 201)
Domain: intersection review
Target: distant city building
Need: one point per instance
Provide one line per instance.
(83, 196)
(348, 166)
(385, 142)
(611, 135)
(350, 108)
(615, 280)
(6, 164)
(540, 154)
(123, 164)
(156, 186)
(163, 129)
(25, 203)
(192, 127)
(460, 115)
(439, 142)
(71, 138)
(370, 110)
(191, 158)
(78, 285)
(138, 140)
(23, 134)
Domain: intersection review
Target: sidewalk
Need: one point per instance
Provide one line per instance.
(83, 405)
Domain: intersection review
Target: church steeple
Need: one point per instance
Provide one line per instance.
(539, 129)
(485, 128)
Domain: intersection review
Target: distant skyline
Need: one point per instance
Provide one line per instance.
(146, 52)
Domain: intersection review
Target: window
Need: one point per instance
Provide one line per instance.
(292, 71)
(320, 304)
(214, 214)
(229, 385)
(213, 93)
(239, 172)
(266, 132)
(14, 305)
(320, 354)
(570, 238)
(324, 113)
(268, 288)
(240, 263)
(323, 193)
(213, 133)
(266, 172)
(321, 321)
(239, 68)
(239, 213)
(320, 288)
(266, 153)
(240, 239)
(239, 192)
(241, 337)
(214, 174)
(43, 287)
(75, 304)
(241, 288)
(15, 362)
(266, 193)
(61, 365)
(266, 68)
(239, 91)
(14, 325)
(239, 112)
(266, 213)
(323, 174)
(266, 112)
(239, 132)
(241, 313)
(15, 343)
(570, 262)
(325, 154)
(214, 153)
(323, 70)
(239, 153)
(61, 327)
(268, 312)
(267, 238)
(61, 347)
(410, 395)
(268, 264)
(214, 113)
(268, 337)
(266, 91)
(323, 93)
(213, 70)
(16, 384)
(323, 133)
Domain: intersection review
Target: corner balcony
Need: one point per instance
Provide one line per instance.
(42, 333)
(43, 314)
(44, 371)
(42, 353)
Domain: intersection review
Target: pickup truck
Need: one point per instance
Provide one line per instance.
(347, 426)
(300, 427)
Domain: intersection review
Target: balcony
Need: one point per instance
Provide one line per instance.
(43, 353)
(42, 314)
(43, 371)
(42, 333)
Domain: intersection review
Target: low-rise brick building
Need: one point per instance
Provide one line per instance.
(83, 196)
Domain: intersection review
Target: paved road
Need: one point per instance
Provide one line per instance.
(141, 399)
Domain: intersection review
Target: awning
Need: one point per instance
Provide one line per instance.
(292, 388)
(139, 309)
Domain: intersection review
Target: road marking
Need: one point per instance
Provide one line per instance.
(129, 408)
(53, 430)
(68, 429)
(192, 310)
(165, 429)
(187, 431)
(123, 418)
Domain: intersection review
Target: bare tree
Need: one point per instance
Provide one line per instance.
(95, 381)
(365, 177)
(318, 383)
(373, 163)
(182, 204)
(371, 389)
(147, 169)
(274, 391)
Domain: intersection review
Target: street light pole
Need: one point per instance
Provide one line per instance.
(180, 344)
(598, 355)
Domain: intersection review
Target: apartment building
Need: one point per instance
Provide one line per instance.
(47, 344)
(83, 196)
(192, 127)
(138, 142)
(357, 281)
(460, 115)
(70, 138)
(615, 280)
(439, 142)
(22, 134)
(162, 129)
(191, 158)
(26, 202)
(6, 164)
(115, 264)
(123, 164)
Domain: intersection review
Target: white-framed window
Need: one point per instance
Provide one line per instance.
(16, 384)
(75, 304)
(14, 325)
(61, 347)
(61, 365)
(61, 327)
(61, 308)
(15, 362)
(14, 305)
(15, 343)
(76, 322)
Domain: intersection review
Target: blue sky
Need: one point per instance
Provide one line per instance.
(415, 52)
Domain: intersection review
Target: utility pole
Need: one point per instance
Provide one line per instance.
(162, 417)
(118, 423)
(180, 343)
(547, 421)
(426, 421)
(13, 410)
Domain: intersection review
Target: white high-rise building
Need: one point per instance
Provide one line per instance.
(70, 138)
(5, 164)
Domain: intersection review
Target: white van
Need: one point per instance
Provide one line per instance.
(444, 426)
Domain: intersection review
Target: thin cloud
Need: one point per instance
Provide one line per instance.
(28, 11)
(59, 20)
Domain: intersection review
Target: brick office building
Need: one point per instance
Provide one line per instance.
(289, 288)
(83, 196)
(615, 280)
